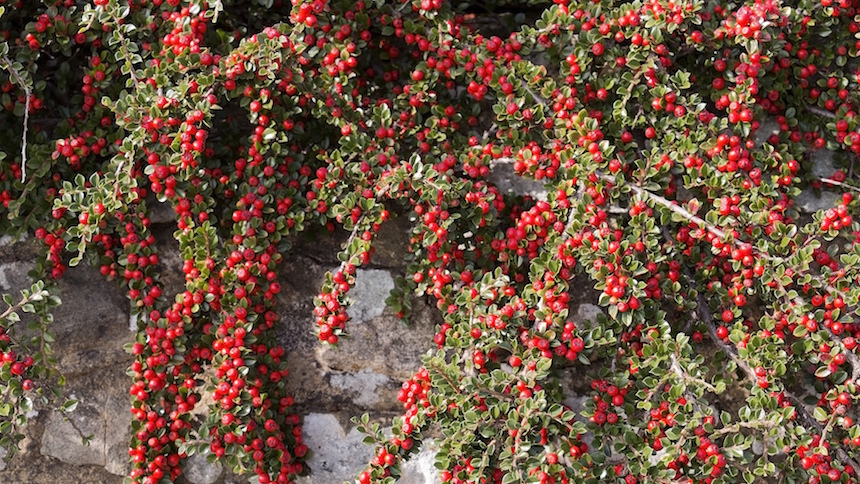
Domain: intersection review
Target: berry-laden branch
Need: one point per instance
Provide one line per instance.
(801, 410)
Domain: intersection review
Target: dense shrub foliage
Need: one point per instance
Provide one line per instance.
(672, 136)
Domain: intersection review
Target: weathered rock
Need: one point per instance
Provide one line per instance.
(809, 202)
(13, 277)
(506, 180)
(198, 470)
(363, 385)
(338, 455)
(383, 345)
(105, 418)
(372, 287)
(768, 127)
(90, 333)
(420, 468)
(117, 435)
(63, 436)
(160, 212)
(822, 167)
(588, 312)
(822, 163)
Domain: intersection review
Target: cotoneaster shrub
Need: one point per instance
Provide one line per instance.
(672, 137)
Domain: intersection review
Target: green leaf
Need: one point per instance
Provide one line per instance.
(820, 414)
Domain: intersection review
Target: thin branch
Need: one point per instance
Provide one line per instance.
(685, 377)
(24, 136)
(677, 209)
(831, 181)
(820, 112)
(489, 131)
(534, 96)
(672, 206)
(454, 386)
(18, 80)
(753, 424)
(633, 83)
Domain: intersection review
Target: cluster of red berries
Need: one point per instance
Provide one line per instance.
(608, 397)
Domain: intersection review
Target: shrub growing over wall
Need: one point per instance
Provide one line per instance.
(672, 137)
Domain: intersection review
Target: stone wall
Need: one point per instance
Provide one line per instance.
(330, 385)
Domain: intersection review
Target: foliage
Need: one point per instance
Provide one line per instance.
(672, 137)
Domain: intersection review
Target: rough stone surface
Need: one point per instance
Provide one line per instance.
(363, 384)
(91, 356)
(822, 167)
(198, 470)
(504, 177)
(588, 312)
(809, 202)
(372, 287)
(13, 276)
(63, 442)
(383, 345)
(338, 454)
(159, 212)
(768, 127)
(419, 469)
(822, 163)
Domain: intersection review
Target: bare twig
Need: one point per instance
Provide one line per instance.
(24, 136)
(7, 64)
(686, 377)
(831, 181)
(672, 206)
(489, 131)
(534, 96)
(820, 112)
(752, 424)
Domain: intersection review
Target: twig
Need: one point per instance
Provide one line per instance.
(754, 424)
(534, 96)
(831, 181)
(656, 388)
(24, 136)
(454, 386)
(516, 448)
(349, 241)
(633, 83)
(685, 377)
(18, 80)
(674, 207)
(820, 112)
(489, 131)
